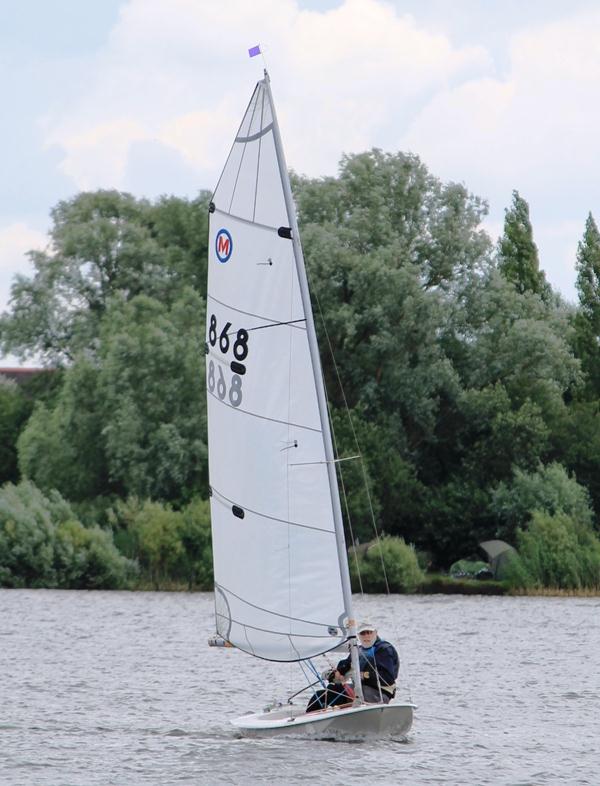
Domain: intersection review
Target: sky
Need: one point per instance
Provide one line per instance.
(145, 96)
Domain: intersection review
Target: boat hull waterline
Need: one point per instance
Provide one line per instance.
(367, 720)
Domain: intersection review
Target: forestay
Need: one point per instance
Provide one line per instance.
(278, 592)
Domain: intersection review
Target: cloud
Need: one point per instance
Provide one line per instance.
(534, 131)
(110, 141)
(178, 74)
(174, 77)
(15, 241)
(539, 123)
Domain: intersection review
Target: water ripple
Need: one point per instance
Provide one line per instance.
(103, 689)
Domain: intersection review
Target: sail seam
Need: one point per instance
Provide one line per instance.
(271, 518)
(233, 144)
(283, 616)
(246, 220)
(242, 156)
(308, 656)
(273, 322)
(340, 639)
(264, 417)
(262, 116)
(254, 137)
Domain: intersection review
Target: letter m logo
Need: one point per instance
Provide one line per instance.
(223, 245)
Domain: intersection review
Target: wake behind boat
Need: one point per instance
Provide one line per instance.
(282, 584)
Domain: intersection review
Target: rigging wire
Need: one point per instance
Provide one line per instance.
(378, 542)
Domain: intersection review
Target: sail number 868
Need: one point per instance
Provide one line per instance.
(240, 346)
(240, 352)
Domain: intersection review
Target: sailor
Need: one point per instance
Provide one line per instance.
(378, 664)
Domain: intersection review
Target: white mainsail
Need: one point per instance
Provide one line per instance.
(278, 585)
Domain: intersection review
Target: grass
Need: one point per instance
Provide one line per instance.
(440, 583)
(445, 585)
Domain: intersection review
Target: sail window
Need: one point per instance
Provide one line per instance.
(285, 232)
(237, 511)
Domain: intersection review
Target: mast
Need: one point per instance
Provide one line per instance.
(321, 398)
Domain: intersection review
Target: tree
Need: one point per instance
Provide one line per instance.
(548, 489)
(62, 445)
(384, 243)
(387, 247)
(151, 385)
(14, 411)
(386, 564)
(517, 253)
(42, 544)
(576, 444)
(133, 421)
(197, 561)
(587, 319)
(456, 375)
(103, 245)
(556, 550)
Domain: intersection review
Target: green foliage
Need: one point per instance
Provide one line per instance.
(501, 337)
(556, 551)
(43, 545)
(549, 490)
(153, 399)
(16, 404)
(14, 411)
(455, 375)
(104, 245)
(459, 374)
(391, 557)
(133, 422)
(197, 561)
(156, 529)
(456, 519)
(588, 274)
(500, 434)
(577, 442)
(517, 253)
(587, 318)
(61, 447)
(171, 545)
(44, 386)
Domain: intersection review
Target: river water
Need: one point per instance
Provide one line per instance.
(102, 688)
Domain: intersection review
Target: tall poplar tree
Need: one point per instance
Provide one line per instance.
(518, 259)
(587, 321)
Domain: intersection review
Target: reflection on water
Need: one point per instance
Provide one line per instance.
(120, 688)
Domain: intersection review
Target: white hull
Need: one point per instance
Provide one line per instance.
(352, 723)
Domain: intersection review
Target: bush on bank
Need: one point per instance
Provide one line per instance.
(555, 551)
(172, 547)
(389, 557)
(42, 544)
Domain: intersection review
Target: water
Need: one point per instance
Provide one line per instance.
(104, 688)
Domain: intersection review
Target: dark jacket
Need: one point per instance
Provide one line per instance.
(383, 665)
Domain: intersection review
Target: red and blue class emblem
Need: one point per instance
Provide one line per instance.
(223, 245)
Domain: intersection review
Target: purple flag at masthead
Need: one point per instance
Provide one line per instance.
(255, 50)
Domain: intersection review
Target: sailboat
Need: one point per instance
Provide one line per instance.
(282, 584)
